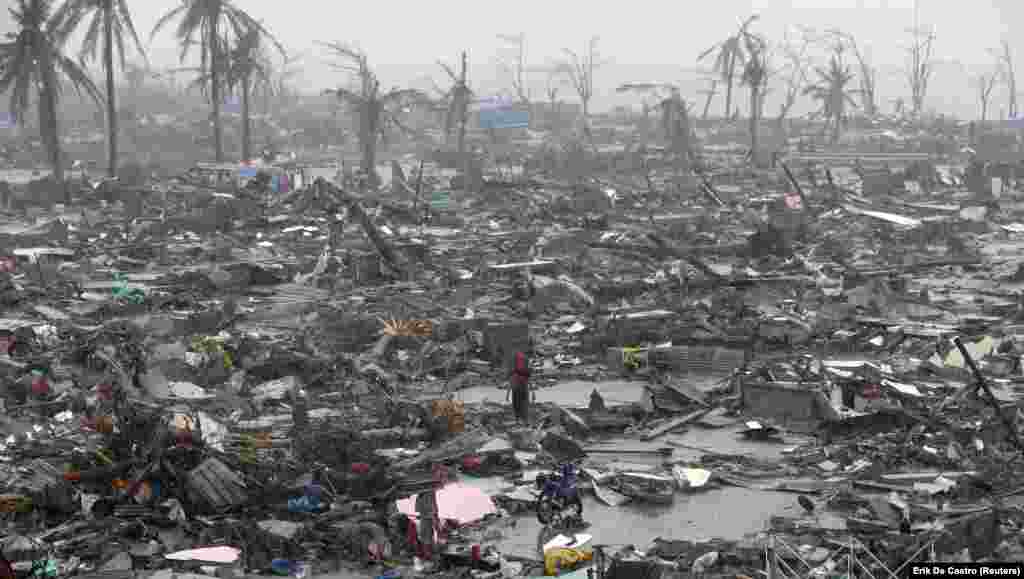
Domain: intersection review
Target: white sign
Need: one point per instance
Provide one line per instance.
(997, 187)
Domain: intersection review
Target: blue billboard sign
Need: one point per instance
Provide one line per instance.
(233, 104)
(505, 119)
(1015, 122)
(502, 113)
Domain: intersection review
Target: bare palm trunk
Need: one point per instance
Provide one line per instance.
(463, 113)
(49, 130)
(835, 129)
(586, 117)
(754, 110)
(246, 122)
(368, 141)
(108, 63)
(218, 146)
(707, 102)
(728, 85)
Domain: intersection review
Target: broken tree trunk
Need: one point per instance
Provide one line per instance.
(674, 424)
(357, 211)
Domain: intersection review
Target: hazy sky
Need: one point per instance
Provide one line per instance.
(644, 40)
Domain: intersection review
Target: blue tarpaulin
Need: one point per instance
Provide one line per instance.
(247, 172)
(504, 118)
(1015, 122)
(7, 120)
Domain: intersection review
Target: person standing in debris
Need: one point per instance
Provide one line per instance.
(520, 390)
(427, 515)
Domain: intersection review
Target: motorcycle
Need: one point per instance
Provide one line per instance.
(559, 495)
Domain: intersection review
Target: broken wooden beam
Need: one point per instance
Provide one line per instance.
(673, 424)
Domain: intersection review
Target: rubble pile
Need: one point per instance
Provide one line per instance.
(227, 379)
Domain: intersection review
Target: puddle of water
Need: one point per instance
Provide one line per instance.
(571, 394)
(690, 517)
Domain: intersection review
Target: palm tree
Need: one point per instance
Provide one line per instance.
(244, 67)
(247, 66)
(31, 58)
(729, 54)
(755, 77)
(111, 19)
(376, 110)
(831, 90)
(212, 21)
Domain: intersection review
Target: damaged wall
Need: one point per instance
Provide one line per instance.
(799, 407)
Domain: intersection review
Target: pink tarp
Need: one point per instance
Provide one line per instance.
(219, 554)
(456, 501)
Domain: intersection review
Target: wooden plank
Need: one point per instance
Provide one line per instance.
(674, 424)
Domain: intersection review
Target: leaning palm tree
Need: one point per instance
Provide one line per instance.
(375, 109)
(832, 92)
(31, 58)
(729, 54)
(111, 19)
(212, 21)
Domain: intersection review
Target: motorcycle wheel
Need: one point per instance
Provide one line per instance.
(545, 510)
(574, 507)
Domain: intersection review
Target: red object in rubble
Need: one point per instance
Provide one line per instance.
(6, 344)
(7, 265)
(471, 462)
(40, 386)
(104, 391)
(360, 468)
(184, 438)
(871, 391)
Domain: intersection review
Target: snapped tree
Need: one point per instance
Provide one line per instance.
(755, 78)
(375, 110)
(579, 71)
(728, 57)
(457, 100)
(514, 65)
(795, 52)
(920, 67)
(985, 83)
(675, 121)
(1009, 76)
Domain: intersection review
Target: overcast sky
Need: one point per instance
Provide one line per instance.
(643, 40)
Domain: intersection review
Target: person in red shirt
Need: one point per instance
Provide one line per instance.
(520, 390)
